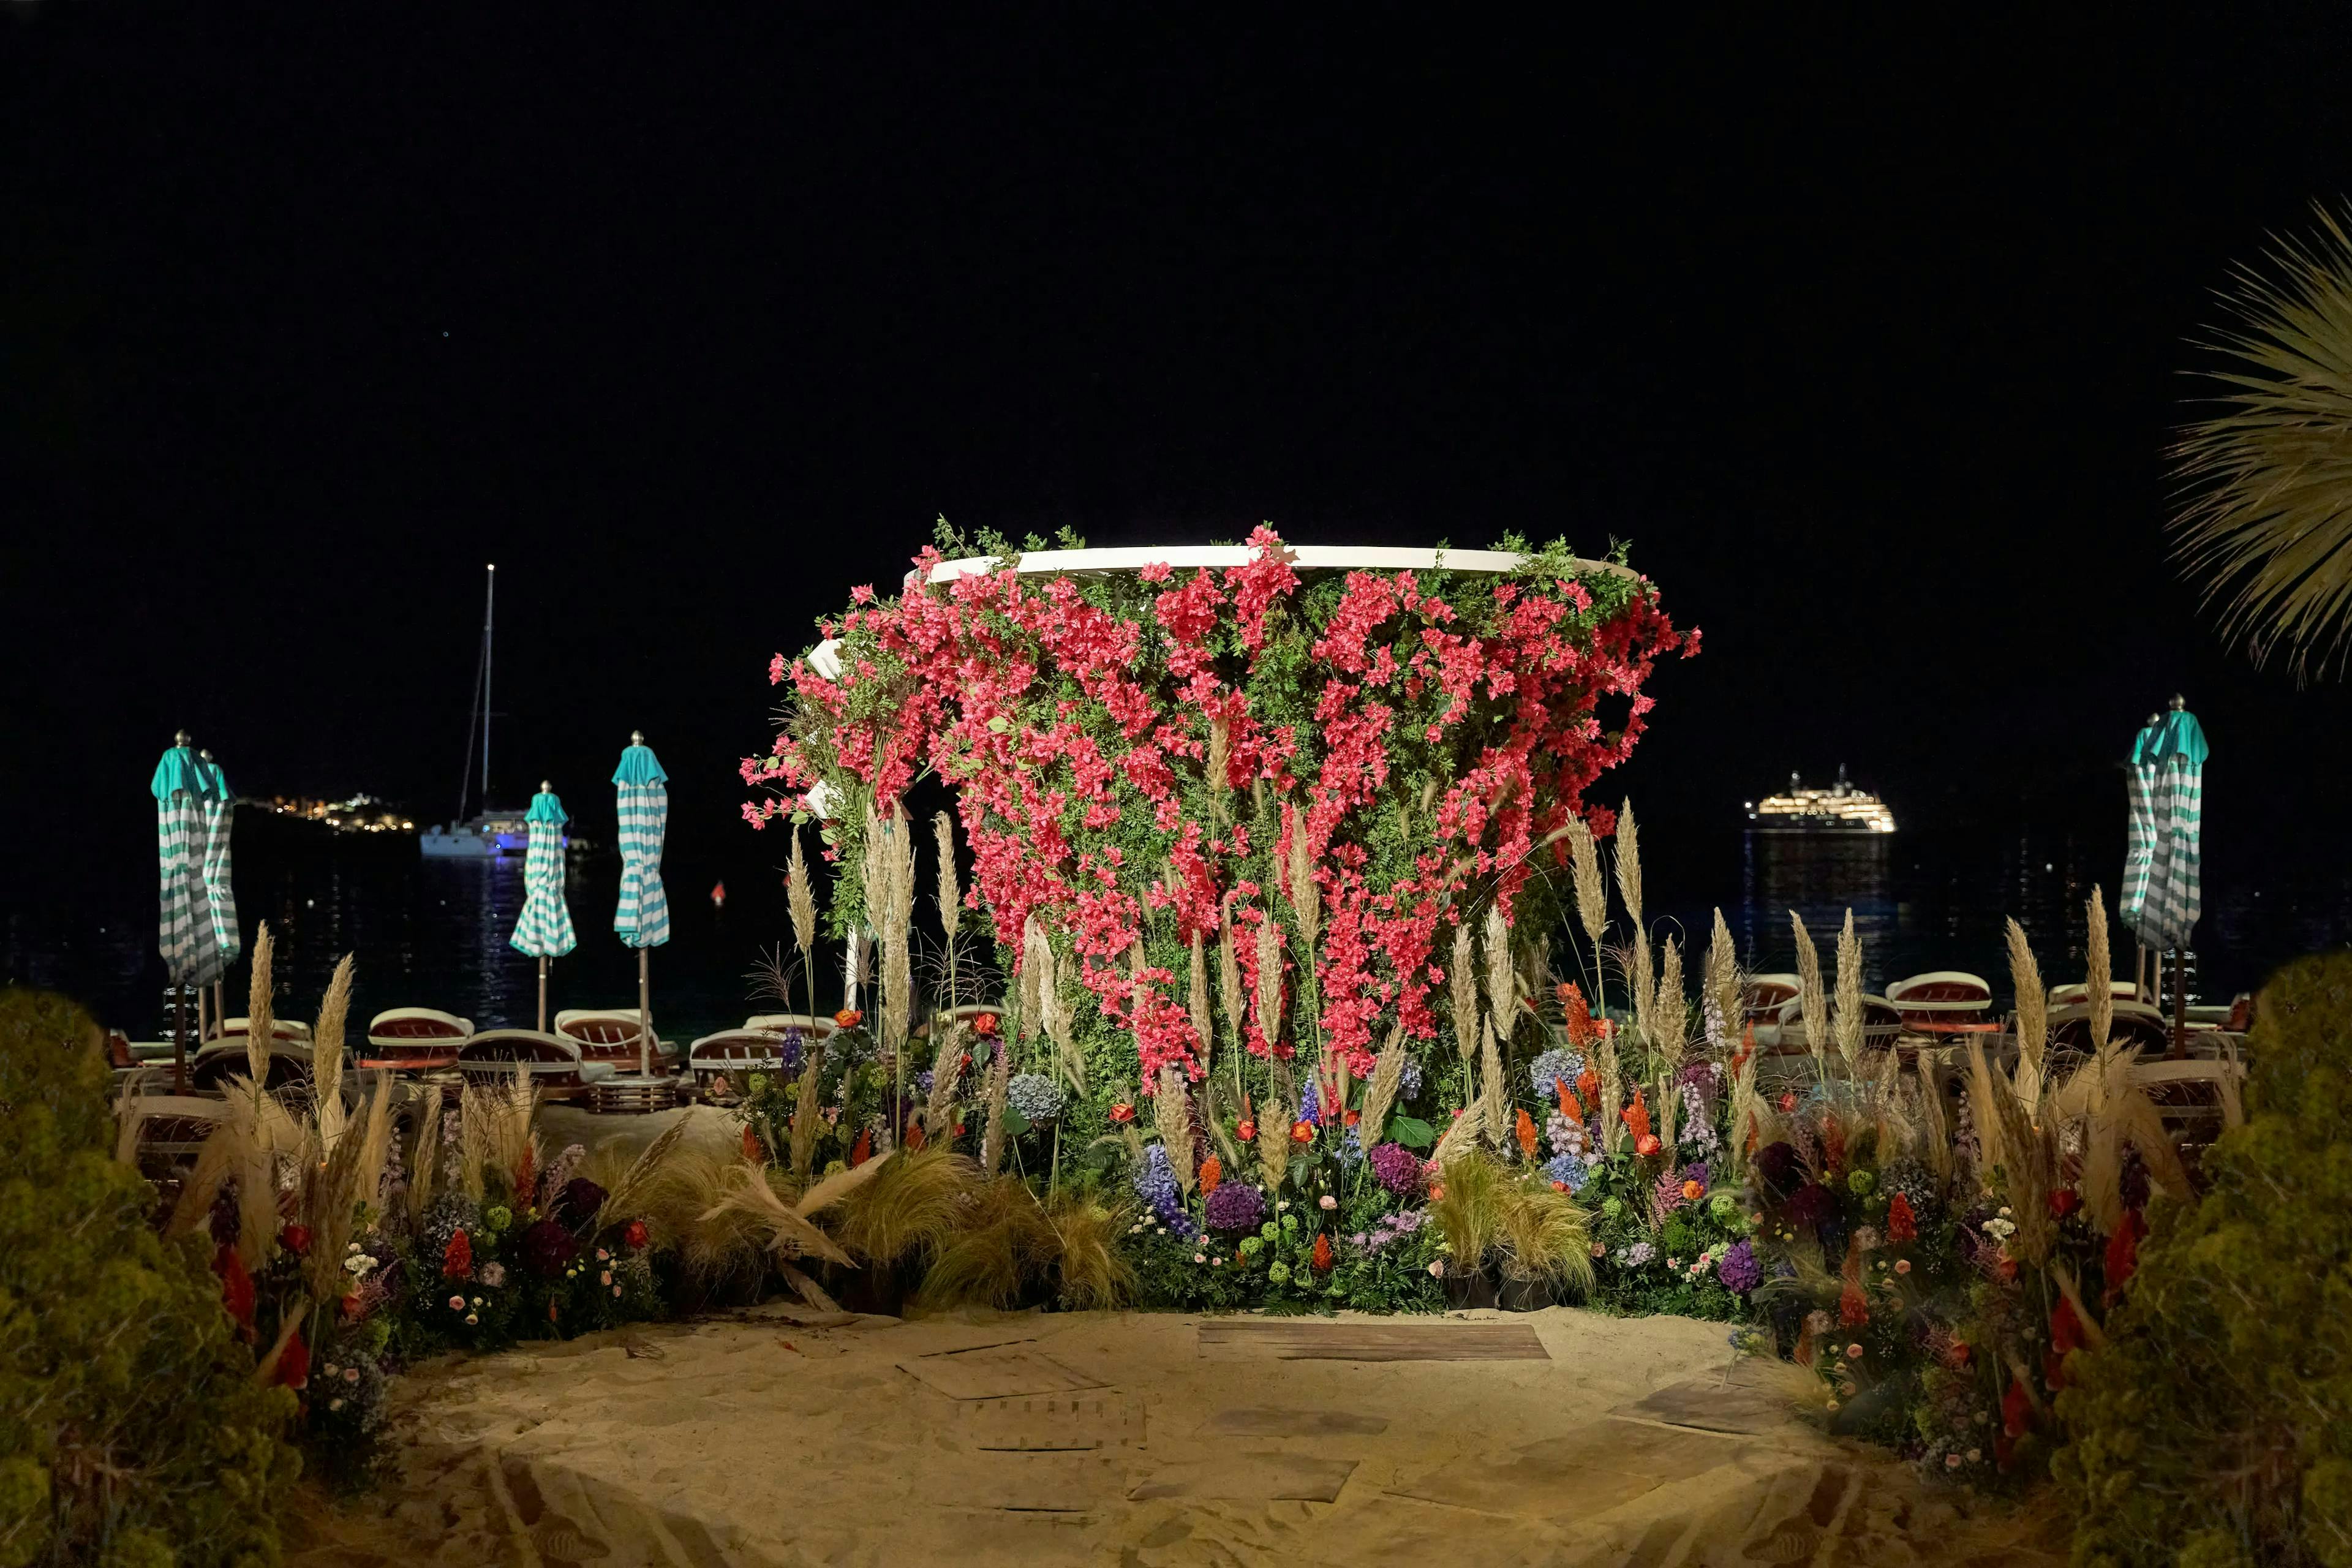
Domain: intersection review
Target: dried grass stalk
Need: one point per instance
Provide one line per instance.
(895, 933)
(1306, 895)
(1669, 1012)
(1054, 1011)
(1229, 980)
(804, 1112)
(1848, 1024)
(2100, 993)
(992, 1139)
(1274, 1120)
(1936, 1134)
(424, 1158)
(801, 900)
(1461, 1139)
(1493, 1092)
(951, 896)
(947, 1075)
(1269, 982)
(260, 1007)
(1036, 961)
(1584, 860)
(2033, 1018)
(746, 1196)
(1747, 1115)
(1218, 767)
(1172, 1113)
(1985, 1088)
(1502, 1005)
(1612, 1091)
(628, 1193)
(350, 1173)
(1464, 980)
(1628, 865)
(1381, 1089)
(1723, 983)
(327, 1056)
(1812, 1002)
(1199, 999)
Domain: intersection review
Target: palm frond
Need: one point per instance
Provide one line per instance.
(2264, 519)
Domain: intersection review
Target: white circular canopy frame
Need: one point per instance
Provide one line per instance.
(1302, 557)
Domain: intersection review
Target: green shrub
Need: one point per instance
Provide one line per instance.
(130, 1430)
(2216, 1427)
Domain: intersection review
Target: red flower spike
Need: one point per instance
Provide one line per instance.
(1636, 1117)
(1902, 1225)
(237, 1286)
(1854, 1306)
(2123, 1253)
(293, 1364)
(457, 1258)
(1526, 1134)
(1212, 1173)
(2065, 1328)
(526, 1170)
(914, 1139)
(2016, 1408)
(863, 1149)
(751, 1145)
(1568, 1103)
(1322, 1254)
(1588, 1084)
(634, 1236)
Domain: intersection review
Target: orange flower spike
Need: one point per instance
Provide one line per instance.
(1568, 1103)
(1323, 1250)
(1527, 1133)
(1901, 1224)
(750, 1144)
(1213, 1173)
(914, 1139)
(457, 1258)
(863, 1149)
(526, 1172)
(1637, 1116)
(1588, 1084)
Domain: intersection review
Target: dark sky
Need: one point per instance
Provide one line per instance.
(1869, 343)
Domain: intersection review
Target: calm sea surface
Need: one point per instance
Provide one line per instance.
(433, 932)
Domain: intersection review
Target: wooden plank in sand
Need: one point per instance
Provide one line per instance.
(1303, 1339)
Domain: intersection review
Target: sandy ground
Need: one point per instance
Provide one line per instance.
(779, 1437)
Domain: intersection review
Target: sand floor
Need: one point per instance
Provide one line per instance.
(779, 1437)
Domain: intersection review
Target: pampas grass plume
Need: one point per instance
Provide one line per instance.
(1628, 865)
(1463, 978)
(1848, 1024)
(327, 1056)
(260, 1007)
(1584, 859)
(800, 899)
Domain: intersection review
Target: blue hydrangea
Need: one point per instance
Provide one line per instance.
(1037, 1097)
(1569, 1170)
(1553, 1067)
(1155, 1183)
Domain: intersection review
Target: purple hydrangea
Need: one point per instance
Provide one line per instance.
(1390, 1228)
(1397, 1168)
(1236, 1206)
(548, 1248)
(1738, 1269)
(1155, 1183)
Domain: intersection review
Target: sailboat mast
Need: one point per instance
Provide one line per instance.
(489, 603)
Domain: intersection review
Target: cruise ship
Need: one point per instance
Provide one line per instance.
(1840, 808)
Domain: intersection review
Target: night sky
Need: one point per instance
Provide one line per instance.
(1870, 345)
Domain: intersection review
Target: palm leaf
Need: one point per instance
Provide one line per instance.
(2265, 521)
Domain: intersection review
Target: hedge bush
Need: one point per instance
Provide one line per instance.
(131, 1435)
(2216, 1427)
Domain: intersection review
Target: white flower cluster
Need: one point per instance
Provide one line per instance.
(357, 1264)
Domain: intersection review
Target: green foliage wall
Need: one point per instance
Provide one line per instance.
(131, 1434)
(2217, 1426)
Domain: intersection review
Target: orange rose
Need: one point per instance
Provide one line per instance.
(1122, 1112)
(1302, 1132)
(848, 1018)
(1248, 1131)
(1693, 1192)
(984, 1026)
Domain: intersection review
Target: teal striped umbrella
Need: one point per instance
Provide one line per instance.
(220, 817)
(642, 918)
(2139, 846)
(185, 932)
(543, 930)
(2177, 755)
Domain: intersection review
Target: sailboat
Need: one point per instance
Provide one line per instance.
(487, 834)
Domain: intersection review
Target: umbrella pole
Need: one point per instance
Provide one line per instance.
(644, 1020)
(180, 1039)
(2180, 1008)
(542, 992)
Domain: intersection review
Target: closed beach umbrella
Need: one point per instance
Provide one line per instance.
(220, 892)
(185, 932)
(642, 918)
(2139, 845)
(2176, 808)
(544, 929)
